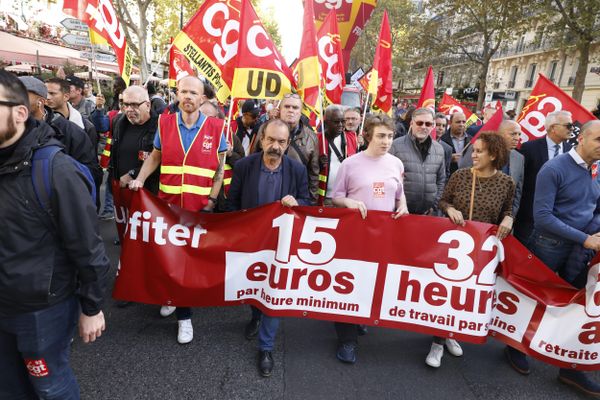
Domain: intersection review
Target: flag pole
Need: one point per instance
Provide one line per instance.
(94, 65)
(162, 57)
(323, 124)
(362, 124)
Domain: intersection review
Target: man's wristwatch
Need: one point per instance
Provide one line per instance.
(214, 200)
(131, 173)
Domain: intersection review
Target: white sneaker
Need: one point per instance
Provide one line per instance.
(454, 348)
(185, 334)
(165, 311)
(434, 358)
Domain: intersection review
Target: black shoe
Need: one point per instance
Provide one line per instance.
(251, 329)
(362, 330)
(346, 352)
(265, 363)
(580, 381)
(517, 360)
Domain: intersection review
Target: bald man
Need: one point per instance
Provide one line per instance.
(566, 213)
(186, 138)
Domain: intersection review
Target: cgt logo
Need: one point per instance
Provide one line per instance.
(328, 55)
(37, 368)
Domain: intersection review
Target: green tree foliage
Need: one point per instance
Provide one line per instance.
(574, 22)
(403, 16)
(473, 30)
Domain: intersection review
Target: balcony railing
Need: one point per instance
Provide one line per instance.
(531, 47)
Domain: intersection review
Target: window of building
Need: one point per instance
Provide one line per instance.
(531, 75)
(552, 71)
(513, 76)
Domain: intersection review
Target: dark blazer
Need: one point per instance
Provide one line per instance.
(243, 192)
(536, 155)
(447, 138)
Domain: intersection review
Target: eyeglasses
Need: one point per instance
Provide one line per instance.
(9, 103)
(428, 124)
(569, 126)
(337, 121)
(134, 106)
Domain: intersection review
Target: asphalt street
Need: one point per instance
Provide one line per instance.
(138, 357)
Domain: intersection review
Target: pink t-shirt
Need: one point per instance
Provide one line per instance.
(376, 181)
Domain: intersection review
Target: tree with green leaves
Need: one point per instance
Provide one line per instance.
(133, 15)
(403, 16)
(472, 29)
(578, 22)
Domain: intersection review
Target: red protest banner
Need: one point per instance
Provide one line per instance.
(102, 19)
(328, 263)
(209, 41)
(545, 98)
(330, 57)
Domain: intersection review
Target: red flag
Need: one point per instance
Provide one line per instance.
(427, 98)
(101, 17)
(493, 123)
(331, 59)
(308, 67)
(382, 68)
(352, 16)
(545, 98)
(450, 105)
(261, 72)
(210, 42)
(179, 66)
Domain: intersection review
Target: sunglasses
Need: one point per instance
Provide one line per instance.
(568, 126)
(428, 124)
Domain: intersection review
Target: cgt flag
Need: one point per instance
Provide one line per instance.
(382, 68)
(308, 68)
(450, 105)
(427, 98)
(101, 18)
(352, 16)
(179, 66)
(545, 98)
(210, 42)
(331, 59)
(261, 72)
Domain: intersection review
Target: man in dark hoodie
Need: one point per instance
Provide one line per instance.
(53, 265)
(76, 142)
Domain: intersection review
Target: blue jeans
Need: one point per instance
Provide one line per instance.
(34, 348)
(551, 250)
(267, 330)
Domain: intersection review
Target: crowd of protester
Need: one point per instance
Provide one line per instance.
(268, 153)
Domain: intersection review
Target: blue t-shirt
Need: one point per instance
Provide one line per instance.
(188, 135)
(269, 184)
